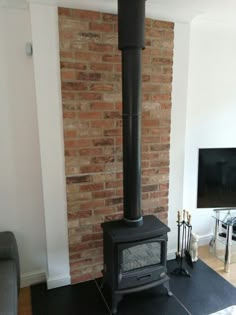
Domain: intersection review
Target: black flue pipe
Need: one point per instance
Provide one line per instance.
(131, 22)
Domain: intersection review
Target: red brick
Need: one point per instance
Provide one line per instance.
(105, 211)
(81, 246)
(103, 142)
(90, 151)
(80, 214)
(161, 97)
(101, 27)
(152, 32)
(148, 22)
(101, 67)
(87, 56)
(75, 86)
(69, 115)
(146, 77)
(109, 17)
(117, 216)
(112, 132)
(102, 87)
(91, 204)
(78, 179)
(83, 278)
(67, 75)
(90, 96)
(90, 115)
(119, 106)
(151, 88)
(77, 143)
(68, 34)
(162, 61)
(113, 201)
(112, 115)
(66, 55)
(161, 78)
(70, 133)
(86, 15)
(100, 47)
(64, 11)
(97, 227)
(73, 65)
(92, 187)
(164, 186)
(91, 237)
(163, 24)
(118, 68)
(149, 188)
(101, 105)
(89, 76)
(92, 169)
(112, 58)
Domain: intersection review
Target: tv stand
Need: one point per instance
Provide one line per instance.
(225, 233)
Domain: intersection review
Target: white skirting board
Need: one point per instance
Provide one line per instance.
(30, 278)
(57, 282)
(203, 240)
(171, 255)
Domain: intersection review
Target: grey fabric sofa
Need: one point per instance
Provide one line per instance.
(9, 274)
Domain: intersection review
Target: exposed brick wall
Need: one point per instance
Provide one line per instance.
(91, 95)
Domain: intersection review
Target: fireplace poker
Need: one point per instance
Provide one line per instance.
(183, 235)
(187, 250)
(178, 240)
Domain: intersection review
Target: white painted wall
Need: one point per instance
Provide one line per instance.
(21, 199)
(211, 109)
(44, 21)
(178, 126)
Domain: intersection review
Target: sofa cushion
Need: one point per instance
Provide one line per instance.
(8, 287)
(9, 250)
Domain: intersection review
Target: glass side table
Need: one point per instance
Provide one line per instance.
(224, 234)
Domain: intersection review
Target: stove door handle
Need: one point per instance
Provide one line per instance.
(145, 277)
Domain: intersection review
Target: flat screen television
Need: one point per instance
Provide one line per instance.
(216, 178)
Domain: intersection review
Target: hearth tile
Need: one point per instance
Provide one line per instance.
(83, 298)
(149, 302)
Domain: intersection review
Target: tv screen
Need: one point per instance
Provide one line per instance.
(216, 178)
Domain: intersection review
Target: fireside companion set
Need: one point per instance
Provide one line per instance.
(187, 248)
(135, 248)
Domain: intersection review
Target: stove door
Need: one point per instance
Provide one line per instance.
(141, 262)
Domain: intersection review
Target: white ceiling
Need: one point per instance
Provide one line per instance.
(171, 10)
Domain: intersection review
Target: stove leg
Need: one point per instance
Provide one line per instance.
(116, 298)
(167, 286)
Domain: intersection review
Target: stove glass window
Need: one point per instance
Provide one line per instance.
(140, 256)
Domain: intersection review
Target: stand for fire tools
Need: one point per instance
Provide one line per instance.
(183, 245)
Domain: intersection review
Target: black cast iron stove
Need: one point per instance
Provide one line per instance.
(135, 247)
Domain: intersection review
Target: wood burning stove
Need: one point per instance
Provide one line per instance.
(134, 248)
(134, 257)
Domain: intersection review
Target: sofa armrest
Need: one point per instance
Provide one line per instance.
(9, 251)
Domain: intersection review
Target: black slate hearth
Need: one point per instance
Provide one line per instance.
(202, 294)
